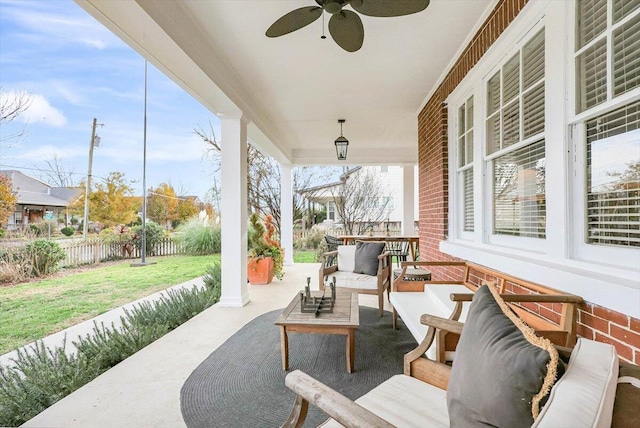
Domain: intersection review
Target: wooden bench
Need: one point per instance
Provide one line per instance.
(446, 298)
(417, 398)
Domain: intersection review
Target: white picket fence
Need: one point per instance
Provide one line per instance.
(96, 251)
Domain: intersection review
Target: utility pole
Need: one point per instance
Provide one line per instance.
(95, 141)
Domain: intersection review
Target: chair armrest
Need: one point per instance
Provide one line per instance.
(442, 323)
(384, 255)
(422, 368)
(336, 405)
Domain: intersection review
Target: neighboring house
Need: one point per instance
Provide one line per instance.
(322, 197)
(35, 199)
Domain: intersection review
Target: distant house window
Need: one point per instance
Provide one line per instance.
(384, 168)
(387, 202)
(331, 211)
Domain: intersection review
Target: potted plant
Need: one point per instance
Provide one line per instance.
(266, 256)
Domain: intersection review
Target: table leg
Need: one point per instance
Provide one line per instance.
(351, 350)
(284, 347)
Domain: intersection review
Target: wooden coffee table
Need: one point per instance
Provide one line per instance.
(345, 319)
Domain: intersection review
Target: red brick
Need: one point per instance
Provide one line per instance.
(637, 357)
(624, 335)
(634, 324)
(584, 331)
(594, 322)
(550, 315)
(610, 315)
(624, 351)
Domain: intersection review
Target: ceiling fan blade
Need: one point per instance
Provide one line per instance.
(294, 20)
(385, 8)
(347, 30)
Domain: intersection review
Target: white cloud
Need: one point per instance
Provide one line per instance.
(41, 111)
(48, 151)
(59, 24)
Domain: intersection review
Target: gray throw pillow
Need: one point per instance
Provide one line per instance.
(502, 372)
(366, 257)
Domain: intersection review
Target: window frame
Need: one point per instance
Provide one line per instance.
(579, 248)
(459, 221)
(599, 281)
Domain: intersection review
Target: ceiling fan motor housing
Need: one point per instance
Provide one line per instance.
(333, 6)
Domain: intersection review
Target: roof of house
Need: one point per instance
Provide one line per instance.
(341, 179)
(32, 191)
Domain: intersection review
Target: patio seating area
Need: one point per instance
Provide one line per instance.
(144, 390)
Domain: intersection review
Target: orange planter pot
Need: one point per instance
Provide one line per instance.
(260, 271)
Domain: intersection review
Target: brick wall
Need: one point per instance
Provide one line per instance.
(595, 322)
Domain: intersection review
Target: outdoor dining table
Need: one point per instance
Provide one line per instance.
(413, 240)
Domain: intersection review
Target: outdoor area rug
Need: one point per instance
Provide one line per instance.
(241, 384)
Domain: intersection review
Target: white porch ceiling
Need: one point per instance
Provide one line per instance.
(293, 89)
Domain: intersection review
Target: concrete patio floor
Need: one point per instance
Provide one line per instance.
(144, 390)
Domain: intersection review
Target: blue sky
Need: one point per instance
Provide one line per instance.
(74, 70)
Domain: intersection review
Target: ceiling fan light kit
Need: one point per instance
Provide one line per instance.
(345, 26)
(342, 144)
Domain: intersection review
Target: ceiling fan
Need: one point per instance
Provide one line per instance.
(345, 26)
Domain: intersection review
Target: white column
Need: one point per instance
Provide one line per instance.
(408, 200)
(286, 213)
(233, 211)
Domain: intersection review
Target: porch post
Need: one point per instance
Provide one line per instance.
(286, 213)
(233, 211)
(407, 200)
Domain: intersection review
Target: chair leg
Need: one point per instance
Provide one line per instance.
(381, 302)
(395, 319)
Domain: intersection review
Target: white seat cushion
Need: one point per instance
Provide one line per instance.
(405, 402)
(346, 258)
(354, 280)
(584, 396)
(411, 305)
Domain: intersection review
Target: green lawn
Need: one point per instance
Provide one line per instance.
(304, 256)
(36, 309)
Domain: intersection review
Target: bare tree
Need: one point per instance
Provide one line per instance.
(263, 178)
(56, 173)
(358, 201)
(12, 105)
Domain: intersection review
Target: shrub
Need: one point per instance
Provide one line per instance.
(213, 280)
(44, 256)
(199, 238)
(68, 231)
(313, 240)
(154, 234)
(42, 376)
(3, 233)
(35, 229)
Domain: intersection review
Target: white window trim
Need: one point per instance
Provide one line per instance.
(579, 249)
(556, 263)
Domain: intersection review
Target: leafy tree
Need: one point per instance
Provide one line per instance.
(111, 202)
(187, 209)
(162, 204)
(8, 198)
(358, 202)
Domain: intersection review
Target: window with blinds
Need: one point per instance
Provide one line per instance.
(465, 162)
(515, 141)
(519, 192)
(613, 177)
(595, 35)
(515, 98)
